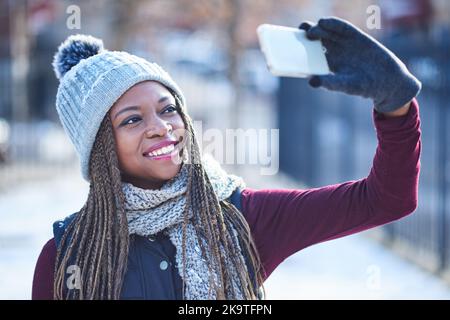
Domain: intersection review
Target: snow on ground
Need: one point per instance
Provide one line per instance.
(27, 213)
(353, 267)
(350, 268)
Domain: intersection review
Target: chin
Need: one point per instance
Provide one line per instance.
(169, 173)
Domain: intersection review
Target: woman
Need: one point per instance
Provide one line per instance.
(163, 222)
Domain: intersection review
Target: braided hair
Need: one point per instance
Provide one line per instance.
(97, 240)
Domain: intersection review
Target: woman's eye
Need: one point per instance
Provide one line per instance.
(131, 120)
(170, 109)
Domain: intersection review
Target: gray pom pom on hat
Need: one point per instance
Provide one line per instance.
(75, 48)
(91, 79)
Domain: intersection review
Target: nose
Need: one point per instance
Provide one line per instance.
(158, 129)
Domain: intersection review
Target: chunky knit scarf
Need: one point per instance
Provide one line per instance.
(161, 210)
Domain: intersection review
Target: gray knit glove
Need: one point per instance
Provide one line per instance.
(361, 65)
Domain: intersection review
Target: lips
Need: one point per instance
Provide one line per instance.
(161, 148)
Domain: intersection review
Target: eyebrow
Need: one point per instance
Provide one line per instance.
(161, 100)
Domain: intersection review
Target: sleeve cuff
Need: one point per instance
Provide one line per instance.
(383, 123)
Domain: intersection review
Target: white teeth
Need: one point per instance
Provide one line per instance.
(163, 150)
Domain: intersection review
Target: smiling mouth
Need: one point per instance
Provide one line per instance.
(166, 152)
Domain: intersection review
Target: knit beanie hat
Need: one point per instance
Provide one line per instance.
(91, 80)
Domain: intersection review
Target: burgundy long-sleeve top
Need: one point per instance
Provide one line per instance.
(285, 221)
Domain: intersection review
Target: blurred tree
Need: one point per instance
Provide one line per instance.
(20, 59)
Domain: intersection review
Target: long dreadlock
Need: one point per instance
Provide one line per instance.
(97, 240)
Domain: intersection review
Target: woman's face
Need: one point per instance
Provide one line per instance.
(142, 118)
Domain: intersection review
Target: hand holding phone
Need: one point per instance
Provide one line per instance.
(361, 65)
(289, 53)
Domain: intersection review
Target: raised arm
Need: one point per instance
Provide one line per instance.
(285, 221)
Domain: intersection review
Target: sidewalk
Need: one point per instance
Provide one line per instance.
(354, 267)
(351, 268)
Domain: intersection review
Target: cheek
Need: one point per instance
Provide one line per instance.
(178, 122)
(179, 128)
(125, 146)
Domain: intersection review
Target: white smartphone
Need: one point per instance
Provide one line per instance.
(289, 53)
